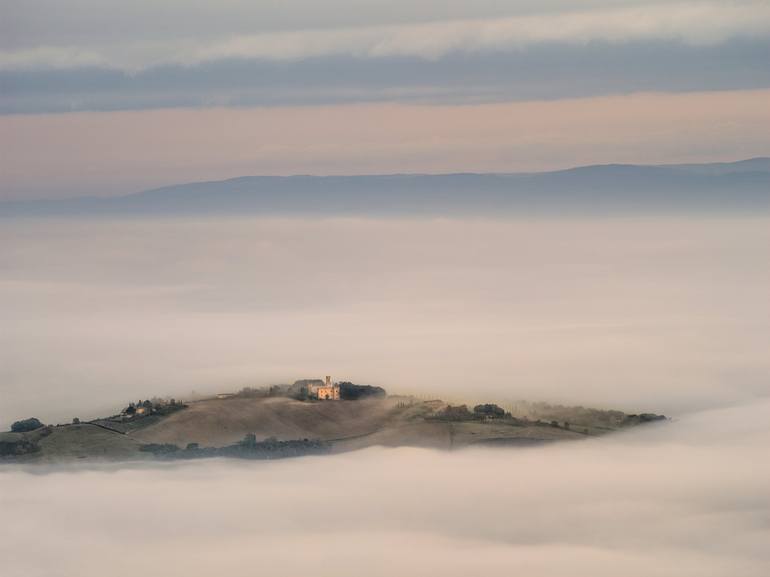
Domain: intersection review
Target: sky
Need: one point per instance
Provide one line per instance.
(104, 97)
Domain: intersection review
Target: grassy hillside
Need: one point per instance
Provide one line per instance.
(70, 442)
(349, 425)
(337, 425)
(223, 421)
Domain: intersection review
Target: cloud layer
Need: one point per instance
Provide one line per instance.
(268, 57)
(695, 23)
(642, 315)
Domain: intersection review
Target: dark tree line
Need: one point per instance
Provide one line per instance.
(480, 412)
(248, 448)
(351, 392)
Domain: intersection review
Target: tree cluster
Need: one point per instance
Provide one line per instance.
(248, 448)
(26, 425)
(351, 392)
(489, 410)
(155, 406)
(456, 413)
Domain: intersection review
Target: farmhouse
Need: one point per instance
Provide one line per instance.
(327, 391)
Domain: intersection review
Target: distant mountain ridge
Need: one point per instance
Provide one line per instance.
(735, 187)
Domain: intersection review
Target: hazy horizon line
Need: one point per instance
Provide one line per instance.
(569, 168)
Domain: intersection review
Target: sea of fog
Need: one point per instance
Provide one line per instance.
(666, 315)
(687, 498)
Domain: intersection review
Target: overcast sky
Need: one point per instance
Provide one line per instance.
(88, 61)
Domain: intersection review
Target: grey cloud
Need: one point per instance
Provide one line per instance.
(544, 72)
(704, 23)
(88, 23)
(82, 55)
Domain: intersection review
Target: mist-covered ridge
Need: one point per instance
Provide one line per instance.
(718, 188)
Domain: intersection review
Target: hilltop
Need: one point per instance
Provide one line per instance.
(250, 426)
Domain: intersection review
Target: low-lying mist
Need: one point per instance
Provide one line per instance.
(685, 498)
(664, 315)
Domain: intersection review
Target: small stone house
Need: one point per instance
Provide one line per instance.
(327, 392)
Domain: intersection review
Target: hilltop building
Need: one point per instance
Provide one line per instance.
(326, 391)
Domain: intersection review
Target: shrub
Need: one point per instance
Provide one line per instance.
(456, 413)
(26, 425)
(489, 410)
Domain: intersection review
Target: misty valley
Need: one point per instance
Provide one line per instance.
(384, 288)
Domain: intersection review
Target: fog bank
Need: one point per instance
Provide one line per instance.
(664, 315)
(687, 498)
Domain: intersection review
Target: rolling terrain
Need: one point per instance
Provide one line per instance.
(223, 421)
(339, 425)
